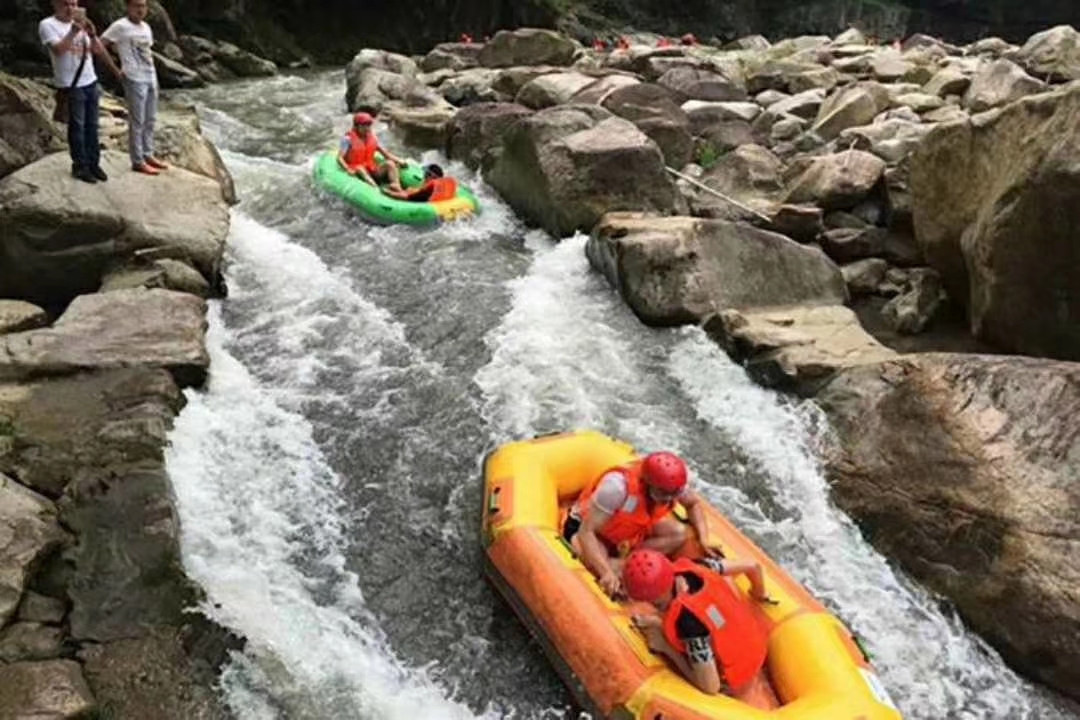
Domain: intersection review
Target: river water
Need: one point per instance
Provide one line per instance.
(328, 478)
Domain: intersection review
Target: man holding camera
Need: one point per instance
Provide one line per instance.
(71, 38)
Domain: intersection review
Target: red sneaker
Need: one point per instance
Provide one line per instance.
(155, 163)
(145, 169)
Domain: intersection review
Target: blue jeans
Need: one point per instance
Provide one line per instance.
(83, 127)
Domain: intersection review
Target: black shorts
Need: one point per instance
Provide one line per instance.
(570, 527)
(381, 173)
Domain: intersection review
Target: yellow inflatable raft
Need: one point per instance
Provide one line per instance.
(815, 669)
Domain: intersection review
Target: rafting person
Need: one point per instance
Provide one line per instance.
(630, 506)
(357, 155)
(436, 187)
(706, 629)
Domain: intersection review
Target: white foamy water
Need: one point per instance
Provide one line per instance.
(568, 354)
(264, 534)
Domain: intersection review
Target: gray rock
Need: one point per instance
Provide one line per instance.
(423, 127)
(601, 89)
(527, 46)
(678, 270)
(27, 131)
(1053, 54)
(54, 689)
(849, 107)
(452, 56)
(476, 131)
(910, 312)
(16, 315)
(28, 532)
(30, 641)
(948, 81)
(552, 89)
(470, 87)
(58, 236)
(125, 328)
(164, 273)
(804, 105)
(701, 84)
(557, 168)
(999, 83)
(795, 348)
(864, 276)
(42, 609)
(838, 181)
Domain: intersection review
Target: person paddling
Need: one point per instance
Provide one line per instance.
(357, 155)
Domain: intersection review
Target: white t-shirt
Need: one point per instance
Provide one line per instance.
(52, 31)
(133, 43)
(612, 493)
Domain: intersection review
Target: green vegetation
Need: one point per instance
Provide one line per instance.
(706, 155)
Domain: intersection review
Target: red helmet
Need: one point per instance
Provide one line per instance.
(664, 471)
(363, 118)
(647, 575)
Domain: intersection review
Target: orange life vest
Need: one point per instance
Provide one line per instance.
(361, 152)
(739, 642)
(632, 522)
(442, 188)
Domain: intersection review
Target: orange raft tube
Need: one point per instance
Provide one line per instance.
(815, 670)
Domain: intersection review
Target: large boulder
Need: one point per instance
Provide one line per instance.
(948, 81)
(451, 56)
(701, 84)
(996, 206)
(795, 348)
(999, 83)
(854, 105)
(372, 90)
(564, 167)
(477, 131)
(125, 328)
(963, 468)
(891, 140)
(59, 236)
(679, 270)
(54, 689)
(422, 127)
(27, 131)
(178, 138)
(1053, 53)
(749, 174)
(28, 532)
(475, 85)
(656, 112)
(837, 181)
(380, 60)
(601, 89)
(552, 89)
(527, 46)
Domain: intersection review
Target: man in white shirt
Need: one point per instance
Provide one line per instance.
(132, 39)
(71, 40)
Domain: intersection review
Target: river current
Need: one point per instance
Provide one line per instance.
(328, 478)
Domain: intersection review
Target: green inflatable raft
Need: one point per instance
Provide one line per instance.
(380, 208)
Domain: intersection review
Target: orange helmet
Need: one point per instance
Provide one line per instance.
(363, 118)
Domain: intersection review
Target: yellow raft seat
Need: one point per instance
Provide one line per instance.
(815, 670)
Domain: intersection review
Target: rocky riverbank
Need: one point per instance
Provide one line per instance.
(102, 324)
(849, 220)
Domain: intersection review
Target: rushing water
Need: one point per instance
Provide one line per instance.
(328, 478)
